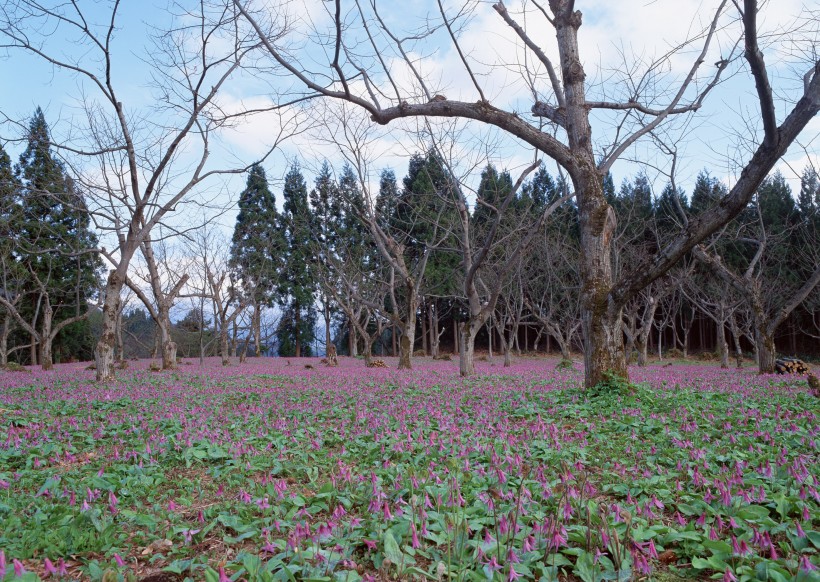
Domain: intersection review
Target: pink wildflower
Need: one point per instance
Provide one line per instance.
(48, 566)
(806, 565)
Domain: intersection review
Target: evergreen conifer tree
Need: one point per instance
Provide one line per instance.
(257, 245)
(54, 243)
(297, 282)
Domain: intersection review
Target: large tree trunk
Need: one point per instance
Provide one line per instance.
(643, 344)
(224, 349)
(243, 354)
(104, 353)
(352, 340)
(46, 360)
(466, 354)
(600, 317)
(367, 349)
(408, 336)
(766, 352)
(167, 344)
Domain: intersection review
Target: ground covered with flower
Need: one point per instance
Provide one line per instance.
(273, 471)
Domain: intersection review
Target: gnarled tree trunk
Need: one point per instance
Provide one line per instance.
(466, 344)
(766, 352)
(104, 353)
(167, 345)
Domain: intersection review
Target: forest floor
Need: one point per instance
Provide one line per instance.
(273, 470)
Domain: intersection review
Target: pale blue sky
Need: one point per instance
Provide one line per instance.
(608, 27)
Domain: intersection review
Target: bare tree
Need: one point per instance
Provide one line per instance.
(404, 270)
(718, 301)
(164, 285)
(42, 328)
(552, 283)
(138, 164)
(771, 297)
(227, 300)
(389, 84)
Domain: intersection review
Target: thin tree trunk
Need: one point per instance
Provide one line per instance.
(4, 340)
(46, 360)
(490, 337)
(298, 335)
(723, 346)
(424, 329)
(516, 327)
(257, 328)
(327, 327)
(435, 333)
(202, 332)
(736, 340)
(660, 344)
(120, 344)
(33, 350)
